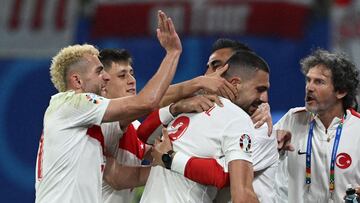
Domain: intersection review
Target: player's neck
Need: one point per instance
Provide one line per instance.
(327, 116)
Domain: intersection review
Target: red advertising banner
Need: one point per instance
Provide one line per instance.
(270, 18)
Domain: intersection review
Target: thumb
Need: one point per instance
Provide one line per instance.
(165, 135)
(222, 70)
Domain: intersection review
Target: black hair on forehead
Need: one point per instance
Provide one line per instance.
(108, 56)
(245, 62)
(229, 43)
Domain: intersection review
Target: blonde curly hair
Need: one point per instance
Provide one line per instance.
(64, 59)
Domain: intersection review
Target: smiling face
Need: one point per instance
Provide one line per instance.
(253, 92)
(122, 81)
(93, 77)
(320, 93)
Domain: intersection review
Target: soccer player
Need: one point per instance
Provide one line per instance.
(218, 132)
(325, 133)
(70, 162)
(265, 155)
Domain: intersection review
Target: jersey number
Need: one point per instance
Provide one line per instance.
(178, 127)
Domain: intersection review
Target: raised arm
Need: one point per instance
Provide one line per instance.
(212, 83)
(149, 98)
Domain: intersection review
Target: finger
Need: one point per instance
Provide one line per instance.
(198, 108)
(162, 21)
(222, 70)
(171, 26)
(157, 141)
(228, 92)
(209, 100)
(216, 99)
(221, 92)
(270, 126)
(158, 19)
(165, 135)
(260, 123)
(158, 33)
(257, 116)
(165, 22)
(204, 106)
(280, 139)
(232, 88)
(290, 147)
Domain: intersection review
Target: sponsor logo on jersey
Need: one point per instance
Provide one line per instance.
(343, 160)
(93, 98)
(245, 143)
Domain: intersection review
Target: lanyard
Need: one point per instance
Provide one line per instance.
(333, 155)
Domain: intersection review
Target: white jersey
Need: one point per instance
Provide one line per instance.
(70, 158)
(221, 131)
(129, 149)
(291, 175)
(118, 145)
(265, 160)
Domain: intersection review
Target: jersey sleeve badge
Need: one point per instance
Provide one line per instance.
(245, 143)
(93, 98)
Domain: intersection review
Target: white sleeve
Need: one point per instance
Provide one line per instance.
(112, 133)
(165, 115)
(237, 140)
(281, 181)
(264, 184)
(179, 162)
(86, 109)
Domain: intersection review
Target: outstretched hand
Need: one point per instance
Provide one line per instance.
(166, 33)
(214, 83)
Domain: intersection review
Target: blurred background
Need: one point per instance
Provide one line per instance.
(32, 31)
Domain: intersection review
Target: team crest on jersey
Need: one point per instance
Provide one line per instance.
(245, 143)
(343, 160)
(93, 98)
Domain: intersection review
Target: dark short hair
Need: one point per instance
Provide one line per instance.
(108, 56)
(229, 43)
(345, 76)
(245, 61)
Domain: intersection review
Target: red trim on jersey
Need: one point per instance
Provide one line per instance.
(95, 132)
(148, 126)
(354, 113)
(209, 110)
(206, 171)
(130, 142)
(40, 157)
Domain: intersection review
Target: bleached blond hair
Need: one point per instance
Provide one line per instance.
(67, 57)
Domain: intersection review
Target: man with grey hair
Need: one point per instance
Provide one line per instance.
(324, 133)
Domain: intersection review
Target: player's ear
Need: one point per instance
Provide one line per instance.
(341, 94)
(75, 81)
